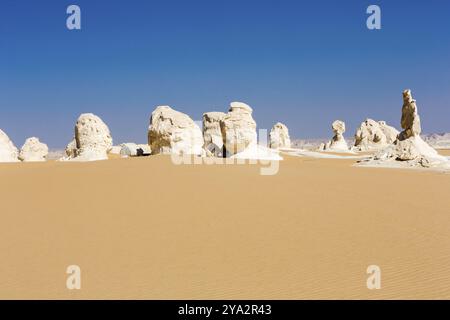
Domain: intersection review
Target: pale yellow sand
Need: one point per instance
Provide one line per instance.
(145, 228)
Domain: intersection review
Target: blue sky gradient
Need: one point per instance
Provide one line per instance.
(304, 63)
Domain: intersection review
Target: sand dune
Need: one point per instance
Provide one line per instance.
(145, 228)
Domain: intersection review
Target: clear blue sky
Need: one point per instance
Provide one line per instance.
(304, 63)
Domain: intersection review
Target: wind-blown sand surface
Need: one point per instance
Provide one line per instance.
(145, 228)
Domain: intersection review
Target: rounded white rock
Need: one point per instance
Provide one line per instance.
(8, 151)
(33, 151)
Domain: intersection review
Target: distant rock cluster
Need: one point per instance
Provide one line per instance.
(32, 151)
(437, 140)
(170, 132)
(409, 148)
(233, 134)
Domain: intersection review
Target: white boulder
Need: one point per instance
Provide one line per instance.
(33, 151)
(374, 135)
(390, 132)
(92, 140)
(212, 134)
(134, 150)
(8, 151)
(173, 132)
(238, 128)
(279, 137)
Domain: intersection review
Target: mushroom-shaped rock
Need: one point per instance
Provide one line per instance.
(33, 150)
(8, 152)
(279, 136)
(173, 132)
(92, 140)
(238, 128)
(212, 135)
(337, 143)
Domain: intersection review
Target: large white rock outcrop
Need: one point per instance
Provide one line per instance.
(173, 132)
(238, 129)
(33, 151)
(337, 143)
(374, 135)
(279, 137)
(92, 140)
(8, 151)
(409, 148)
(212, 134)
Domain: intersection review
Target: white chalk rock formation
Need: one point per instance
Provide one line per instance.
(238, 129)
(92, 140)
(390, 132)
(8, 151)
(374, 135)
(173, 132)
(134, 150)
(212, 134)
(337, 143)
(409, 145)
(370, 136)
(33, 151)
(71, 150)
(279, 137)
(409, 148)
(410, 121)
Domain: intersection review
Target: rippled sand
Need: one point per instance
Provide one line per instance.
(147, 229)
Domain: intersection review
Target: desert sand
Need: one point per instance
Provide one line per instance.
(144, 228)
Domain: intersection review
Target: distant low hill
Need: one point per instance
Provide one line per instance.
(438, 140)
